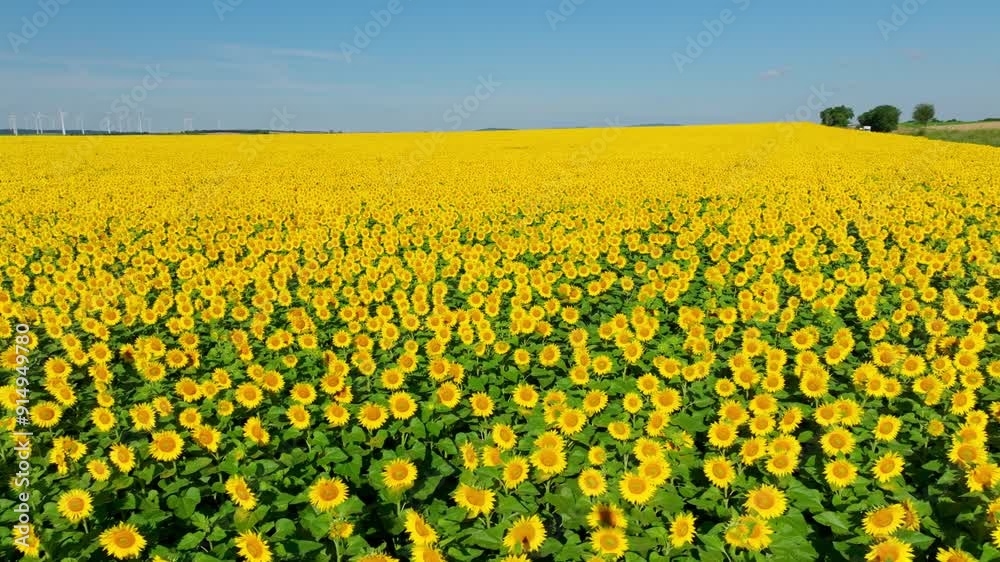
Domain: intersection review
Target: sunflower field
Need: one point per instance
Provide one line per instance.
(751, 342)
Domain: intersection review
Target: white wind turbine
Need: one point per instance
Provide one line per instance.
(79, 124)
(12, 120)
(107, 121)
(139, 121)
(62, 121)
(120, 126)
(38, 122)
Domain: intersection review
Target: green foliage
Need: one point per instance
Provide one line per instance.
(923, 113)
(882, 119)
(989, 137)
(839, 116)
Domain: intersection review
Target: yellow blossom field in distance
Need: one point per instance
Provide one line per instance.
(733, 342)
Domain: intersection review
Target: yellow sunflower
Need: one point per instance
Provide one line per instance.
(887, 467)
(592, 482)
(166, 446)
(482, 404)
(123, 457)
(682, 530)
(515, 471)
(475, 500)
(419, 531)
(890, 550)
(525, 535)
(240, 493)
(766, 501)
(549, 460)
(636, 488)
(372, 416)
(98, 470)
(252, 547)
(606, 515)
(399, 474)
(884, 521)
(887, 427)
(328, 493)
(609, 541)
(75, 505)
(840, 473)
(402, 406)
(719, 472)
(122, 541)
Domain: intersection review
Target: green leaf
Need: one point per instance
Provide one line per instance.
(490, 539)
(550, 547)
(641, 545)
(200, 521)
(217, 534)
(418, 429)
(805, 498)
(188, 503)
(196, 465)
(333, 456)
(714, 547)
(791, 540)
(318, 525)
(835, 521)
(933, 466)
(191, 541)
(989, 553)
(509, 505)
(351, 470)
(320, 440)
(301, 548)
(229, 466)
(283, 528)
(434, 428)
(919, 541)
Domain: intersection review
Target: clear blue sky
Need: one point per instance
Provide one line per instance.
(607, 60)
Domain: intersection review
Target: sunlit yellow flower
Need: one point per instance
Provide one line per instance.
(327, 493)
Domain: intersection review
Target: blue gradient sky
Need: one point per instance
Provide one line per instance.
(605, 60)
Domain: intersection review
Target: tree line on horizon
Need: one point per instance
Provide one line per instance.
(882, 119)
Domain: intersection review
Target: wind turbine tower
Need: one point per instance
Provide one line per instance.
(62, 121)
(12, 119)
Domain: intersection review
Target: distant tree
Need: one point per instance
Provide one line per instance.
(839, 116)
(882, 119)
(923, 113)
